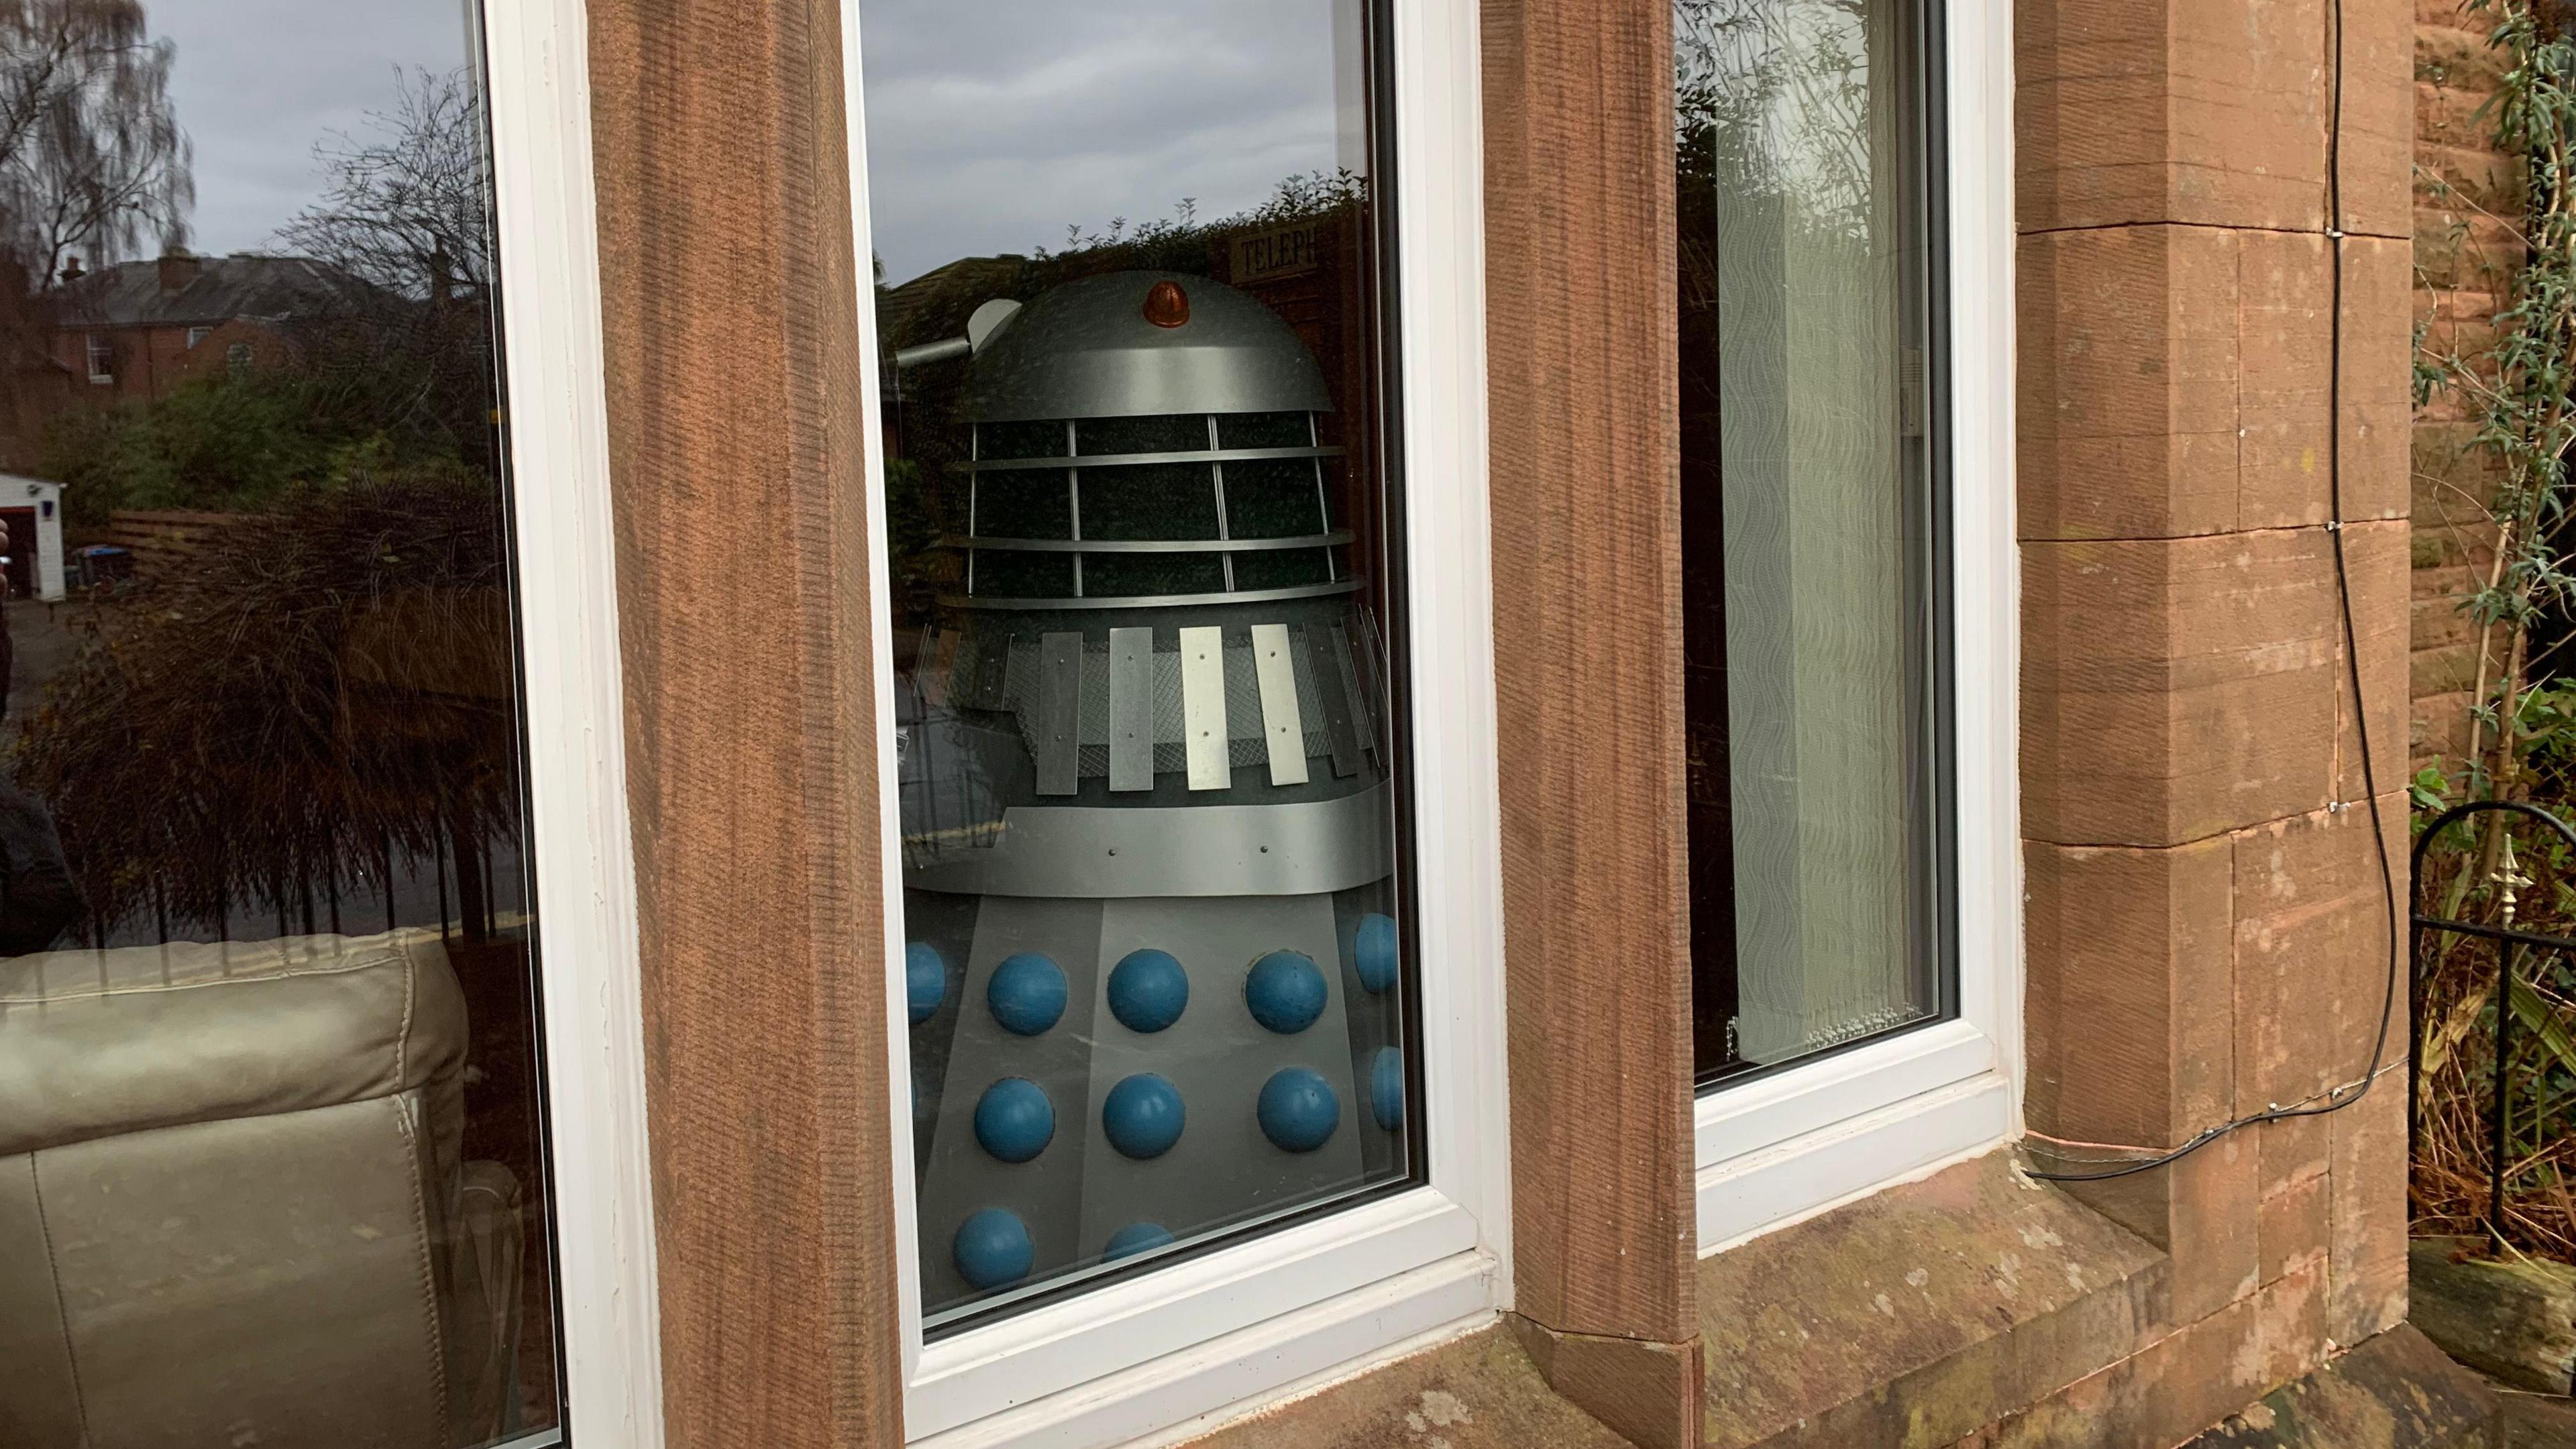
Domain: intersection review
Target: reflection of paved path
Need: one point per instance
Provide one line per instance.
(44, 641)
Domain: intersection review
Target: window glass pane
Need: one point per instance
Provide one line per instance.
(1151, 912)
(272, 1147)
(1808, 488)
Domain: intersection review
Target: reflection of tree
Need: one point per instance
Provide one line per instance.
(1774, 96)
(406, 214)
(406, 208)
(91, 156)
(259, 727)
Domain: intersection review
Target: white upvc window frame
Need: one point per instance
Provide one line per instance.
(1210, 1335)
(546, 224)
(1785, 1147)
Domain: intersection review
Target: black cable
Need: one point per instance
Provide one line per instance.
(2334, 1099)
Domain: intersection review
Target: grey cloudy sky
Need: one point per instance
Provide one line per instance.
(257, 82)
(993, 124)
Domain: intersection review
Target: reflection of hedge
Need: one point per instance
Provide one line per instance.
(263, 719)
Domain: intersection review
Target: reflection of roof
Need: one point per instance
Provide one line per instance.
(922, 305)
(129, 294)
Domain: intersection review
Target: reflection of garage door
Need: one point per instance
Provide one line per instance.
(22, 551)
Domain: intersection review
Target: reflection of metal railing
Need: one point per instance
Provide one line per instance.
(471, 893)
(2510, 943)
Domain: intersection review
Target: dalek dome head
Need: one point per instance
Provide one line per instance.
(1134, 344)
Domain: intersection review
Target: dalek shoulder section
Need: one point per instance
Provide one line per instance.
(1129, 344)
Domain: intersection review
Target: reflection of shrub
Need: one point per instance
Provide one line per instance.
(261, 721)
(218, 443)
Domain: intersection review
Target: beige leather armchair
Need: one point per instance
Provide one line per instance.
(231, 1206)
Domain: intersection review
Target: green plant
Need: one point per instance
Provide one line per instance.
(2518, 390)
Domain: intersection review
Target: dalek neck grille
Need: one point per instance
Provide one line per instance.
(1151, 511)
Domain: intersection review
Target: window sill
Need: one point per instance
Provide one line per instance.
(1131, 1352)
(1195, 1388)
(1784, 1178)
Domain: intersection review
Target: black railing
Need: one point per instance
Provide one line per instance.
(2510, 944)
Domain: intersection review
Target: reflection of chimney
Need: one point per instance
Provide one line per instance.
(71, 269)
(178, 269)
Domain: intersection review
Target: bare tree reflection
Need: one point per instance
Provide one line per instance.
(92, 159)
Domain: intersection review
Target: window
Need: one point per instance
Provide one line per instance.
(1148, 744)
(1808, 498)
(237, 357)
(1150, 504)
(102, 358)
(1843, 538)
(198, 334)
(271, 955)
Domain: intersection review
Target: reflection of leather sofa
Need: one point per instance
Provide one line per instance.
(231, 1206)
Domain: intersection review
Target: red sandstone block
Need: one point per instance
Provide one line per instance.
(2128, 383)
(2285, 343)
(2378, 572)
(2205, 111)
(2205, 1211)
(2367, 1213)
(2296, 1156)
(2375, 390)
(2128, 1001)
(2173, 689)
(2314, 938)
(2457, 54)
(2375, 159)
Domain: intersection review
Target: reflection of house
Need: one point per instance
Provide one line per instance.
(138, 329)
(33, 509)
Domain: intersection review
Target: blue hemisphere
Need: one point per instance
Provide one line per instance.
(1386, 1088)
(993, 1248)
(1148, 990)
(925, 980)
(1014, 1121)
(1374, 952)
(1026, 994)
(1298, 1110)
(1135, 1238)
(1285, 992)
(1142, 1116)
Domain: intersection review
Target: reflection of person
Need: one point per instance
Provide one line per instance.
(8, 650)
(38, 897)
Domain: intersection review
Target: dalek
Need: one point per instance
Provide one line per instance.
(1147, 828)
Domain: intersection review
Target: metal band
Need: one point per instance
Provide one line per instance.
(1203, 726)
(1331, 664)
(1121, 460)
(1275, 668)
(1059, 740)
(1150, 601)
(1367, 727)
(1131, 709)
(1092, 852)
(1146, 545)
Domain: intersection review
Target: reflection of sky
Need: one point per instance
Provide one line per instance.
(257, 82)
(994, 124)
